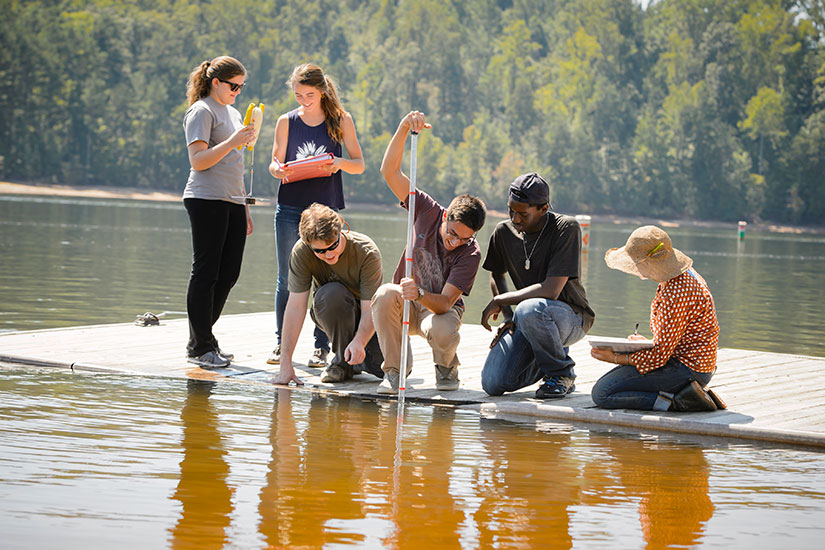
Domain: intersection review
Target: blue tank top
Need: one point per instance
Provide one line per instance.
(307, 141)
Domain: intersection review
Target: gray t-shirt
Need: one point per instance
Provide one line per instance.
(209, 121)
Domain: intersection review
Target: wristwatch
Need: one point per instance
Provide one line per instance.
(420, 293)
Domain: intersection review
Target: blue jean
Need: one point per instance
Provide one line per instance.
(287, 219)
(624, 387)
(537, 348)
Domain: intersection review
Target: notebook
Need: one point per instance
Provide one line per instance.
(619, 345)
(307, 168)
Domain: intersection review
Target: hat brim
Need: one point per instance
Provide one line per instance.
(659, 270)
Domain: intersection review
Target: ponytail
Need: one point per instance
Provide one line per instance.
(199, 84)
(333, 110)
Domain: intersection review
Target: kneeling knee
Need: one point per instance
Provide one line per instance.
(599, 394)
(386, 292)
(491, 383)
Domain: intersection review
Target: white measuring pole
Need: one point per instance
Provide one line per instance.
(405, 320)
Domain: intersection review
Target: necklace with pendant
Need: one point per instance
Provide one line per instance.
(524, 244)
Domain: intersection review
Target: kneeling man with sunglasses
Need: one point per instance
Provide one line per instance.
(345, 270)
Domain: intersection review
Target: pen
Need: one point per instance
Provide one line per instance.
(636, 330)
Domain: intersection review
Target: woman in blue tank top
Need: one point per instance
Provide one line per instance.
(319, 125)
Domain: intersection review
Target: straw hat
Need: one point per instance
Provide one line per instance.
(649, 254)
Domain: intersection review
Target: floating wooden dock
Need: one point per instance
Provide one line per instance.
(771, 397)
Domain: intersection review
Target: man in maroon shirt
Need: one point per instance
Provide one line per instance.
(445, 258)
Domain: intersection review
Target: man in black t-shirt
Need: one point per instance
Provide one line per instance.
(541, 252)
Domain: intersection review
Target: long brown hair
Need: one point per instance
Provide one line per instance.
(312, 75)
(200, 79)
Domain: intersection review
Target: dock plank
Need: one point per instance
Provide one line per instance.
(771, 396)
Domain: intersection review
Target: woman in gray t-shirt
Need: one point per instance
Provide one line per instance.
(214, 199)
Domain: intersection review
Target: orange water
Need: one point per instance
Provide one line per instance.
(102, 461)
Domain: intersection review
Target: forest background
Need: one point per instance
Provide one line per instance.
(699, 109)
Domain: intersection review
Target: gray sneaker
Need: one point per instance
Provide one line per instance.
(210, 359)
(446, 378)
(275, 356)
(389, 385)
(227, 356)
(319, 358)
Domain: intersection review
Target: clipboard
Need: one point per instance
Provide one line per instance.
(619, 345)
(307, 168)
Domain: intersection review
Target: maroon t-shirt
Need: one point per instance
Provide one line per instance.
(434, 265)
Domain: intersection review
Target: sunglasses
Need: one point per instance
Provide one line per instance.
(232, 85)
(330, 248)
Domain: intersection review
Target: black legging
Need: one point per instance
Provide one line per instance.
(218, 239)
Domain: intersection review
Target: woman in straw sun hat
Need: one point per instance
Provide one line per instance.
(672, 374)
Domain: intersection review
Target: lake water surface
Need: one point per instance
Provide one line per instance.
(68, 262)
(125, 462)
(130, 462)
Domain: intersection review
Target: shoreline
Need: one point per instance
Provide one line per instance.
(131, 193)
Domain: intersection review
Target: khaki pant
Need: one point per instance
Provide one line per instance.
(441, 331)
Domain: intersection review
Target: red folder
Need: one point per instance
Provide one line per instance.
(306, 168)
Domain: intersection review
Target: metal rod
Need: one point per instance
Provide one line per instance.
(405, 320)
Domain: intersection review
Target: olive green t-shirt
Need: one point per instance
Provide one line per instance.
(358, 268)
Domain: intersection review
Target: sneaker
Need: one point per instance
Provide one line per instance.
(389, 385)
(555, 387)
(336, 373)
(319, 358)
(446, 378)
(210, 359)
(275, 356)
(227, 356)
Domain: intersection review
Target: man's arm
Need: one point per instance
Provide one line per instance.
(550, 288)
(397, 181)
(498, 286)
(294, 315)
(356, 352)
(437, 303)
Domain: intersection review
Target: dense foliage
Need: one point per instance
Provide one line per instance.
(710, 109)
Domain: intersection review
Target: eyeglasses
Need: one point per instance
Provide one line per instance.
(232, 85)
(330, 248)
(457, 237)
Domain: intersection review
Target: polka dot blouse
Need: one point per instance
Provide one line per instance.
(684, 325)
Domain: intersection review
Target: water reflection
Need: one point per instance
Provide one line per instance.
(529, 489)
(669, 481)
(311, 474)
(98, 459)
(424, 510)
(202, 490)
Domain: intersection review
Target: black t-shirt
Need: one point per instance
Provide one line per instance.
(555, 252)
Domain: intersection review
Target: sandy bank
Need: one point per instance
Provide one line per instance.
(8, 188)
